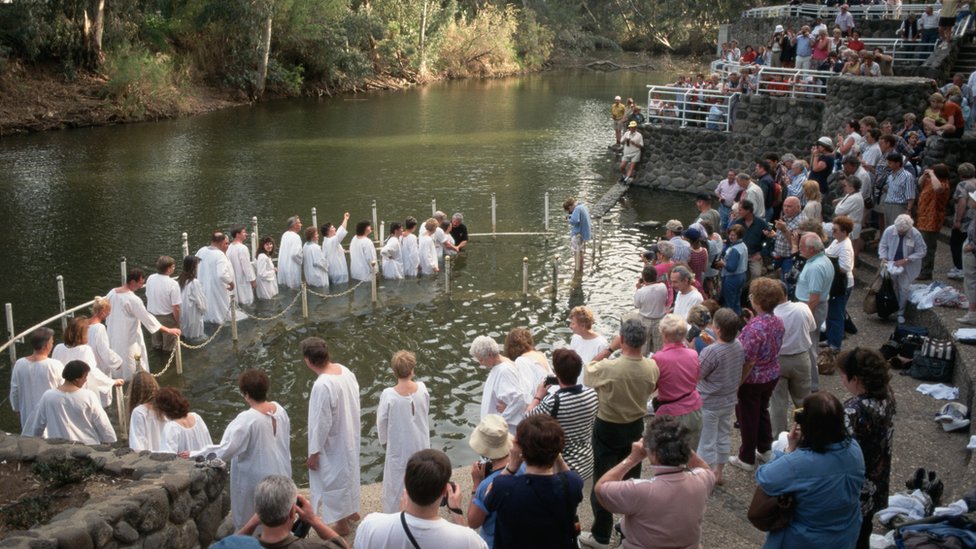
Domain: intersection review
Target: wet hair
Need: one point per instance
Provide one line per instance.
(274, 498)
(518, 342)
(403, 364)
(567, 365)
(172, 404)
(426, 476)
(869, 367)
(410, 223)
(315, 350)
(76, 369)
(728, 324)
(361, 227)
(135, 275)
(189, 272)
(255, 384)
(822, 422)
(261, 244)
(632, 333)
(310, 233)
(541, 439)
(766, 293)
(40, 337)
(673, 328)
(77, 332)
(582, 315)
(142, 389)
(667, 439)
(236, 230)
(324, 229)
(484, 348)
(164, 263)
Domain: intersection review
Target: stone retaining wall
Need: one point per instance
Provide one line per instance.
(172, 503)
(853, 97)
(949, 151)
(782, 117)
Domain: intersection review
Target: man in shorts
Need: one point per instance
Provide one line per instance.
(618, 113)
(633, 142)
(579, 229)
(947, 20)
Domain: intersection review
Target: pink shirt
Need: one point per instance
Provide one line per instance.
(678, 381)
(664, 511)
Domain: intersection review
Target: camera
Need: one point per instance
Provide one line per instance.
(798, 416)
(301, 528)
(552, 380)
(444, 499)
(486, 465)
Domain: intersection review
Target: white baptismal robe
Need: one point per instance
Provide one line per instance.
(428, 255)
(410, 253)
(146, 429)
(192, 310)
(256, 445)
(28, 382)
(98, 382)
(392, 259)
(290, 261)
(124, 334)
(267, 278)
(336, 256)
(106, 360)
(76, 416)
(334, 432)
(504, 385)
(362, 254)
(240, 261)
(177, 438)
(215, 274)
(315, 265)
(403, 426)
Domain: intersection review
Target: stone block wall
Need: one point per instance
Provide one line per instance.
(758, 31)
(171, 503)
(853, 97)
(787, 118)
(949, 151)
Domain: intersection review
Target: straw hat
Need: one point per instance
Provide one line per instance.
(490, 438)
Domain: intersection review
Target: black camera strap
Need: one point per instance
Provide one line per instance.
(403, 521)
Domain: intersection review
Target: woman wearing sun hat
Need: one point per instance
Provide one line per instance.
(492, 441)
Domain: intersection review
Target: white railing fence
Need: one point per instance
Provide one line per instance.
(874, 11)
(690, 106)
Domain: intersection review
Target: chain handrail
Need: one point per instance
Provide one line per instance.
(172, 354)
(205, 343)
(340, 294)
(279, 314)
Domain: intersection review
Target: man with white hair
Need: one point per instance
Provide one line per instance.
(901, 251)
(686, 295)
(459, 231)
(503, 388)
(752, 193)
(794, 360)
(276, 504)
(844, 20)
(290, 255)
(783, 245)
(813, 288)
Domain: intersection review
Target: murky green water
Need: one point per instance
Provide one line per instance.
(72, 203)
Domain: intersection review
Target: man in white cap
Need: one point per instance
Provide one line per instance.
(633, 144)
(492, 441)
(618, 112)
(682, 248)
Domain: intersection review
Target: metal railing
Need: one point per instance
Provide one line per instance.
(903, 52)
(711, 109)
(962, 27)
(781, 81)
(879, 11)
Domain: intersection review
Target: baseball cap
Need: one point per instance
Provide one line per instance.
(674, 226)
(633, 124)
(616, 98)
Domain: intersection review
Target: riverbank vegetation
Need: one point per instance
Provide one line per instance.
(143, 59)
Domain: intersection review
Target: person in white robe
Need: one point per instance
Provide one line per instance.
(194, 300)
(503, 392)
(71, 412)
(290, 255)
(265, 270)
(332, 237)
(531, 365)
(34, 374)
(314, 262)
(362, 252)
(185, 431)
(410, 248)
(392, 254)
(402, 425)
(428, 250)
(75, 347)
(245, 279)
(124, 335)
(163, 301)
(106, 360)
(256, 443)
(334, 429)
(145, 421)
(217, 278)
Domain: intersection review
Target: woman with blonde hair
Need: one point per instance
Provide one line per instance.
(531, 365)
(106, 360)
(586, 342)
(812, 197)
(75, 347)
(677, 388)
(145, 421)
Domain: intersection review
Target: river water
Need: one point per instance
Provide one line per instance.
(74, 202)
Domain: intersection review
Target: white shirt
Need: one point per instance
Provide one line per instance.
(587, 349)
(162, 294)
(385, 531)
(635, 144)
(844, 252)
(289, 260)
(98, 381)
(684, 302)
(799, 323)
(177, 438)
(240, 261)
(504, 385)
(28, 382)
(651, 301)
(362, 254)
(76, 416)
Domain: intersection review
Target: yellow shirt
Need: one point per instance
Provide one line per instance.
(617, 111)
(623, 386)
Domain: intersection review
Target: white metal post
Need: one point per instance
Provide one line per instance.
(382, 231)
(9, 309)
(375, 235)
(64, 319)
(545, 214)
(525, 276)
(373, 279)
(305, 300)
(315, 218)
(447, 274)
(233, 317)
(125, 270)
(493, 218)
(555, 274)
(184, 244)
(433, 206)
(254, 236)
(179, 357)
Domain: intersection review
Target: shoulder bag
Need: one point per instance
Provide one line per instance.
(768, 513)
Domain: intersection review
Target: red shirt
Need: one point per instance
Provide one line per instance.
(855, 45)
(953, 113)
(748, 57)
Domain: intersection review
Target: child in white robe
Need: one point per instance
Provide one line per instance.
(392, 254)
(362, 253)
(428, 250)
(265, 270)
(145, 421)
(332, 237)
(193, 305)
(314, 262)
(185, 431)
(402, 425)
(410, 248)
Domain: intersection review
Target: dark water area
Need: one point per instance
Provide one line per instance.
(73, 203)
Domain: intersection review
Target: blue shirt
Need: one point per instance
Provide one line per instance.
(579, 222)
(536, 511)
(815, 278)
(487, 531)
(804, 46)
(901, 187)
(826, 488)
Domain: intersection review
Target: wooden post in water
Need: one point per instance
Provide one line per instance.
(493, 204)
(373, 280)
(433, 206)
(447, 274)
(315, 218)
(525, 276)
(125, 270)
(382, 231)
(120, 409)
(184, 244)
(599, 236)
(555, 274)
(545, 213)
(9, 309)
(305, 300)
(179, 357)
(375, 235)
(233, 317)
(254, 236)
(61, 303)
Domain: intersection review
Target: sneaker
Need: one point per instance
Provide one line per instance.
(736, 462)
(955, 274)
(764, 457)
(586, 539)
(629, 180)
(969, 318)
(622, 179)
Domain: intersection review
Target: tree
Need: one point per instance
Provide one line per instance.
(264, 49)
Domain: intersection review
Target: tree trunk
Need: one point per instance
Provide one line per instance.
(423, 41)
(92, 31)
(264, 52)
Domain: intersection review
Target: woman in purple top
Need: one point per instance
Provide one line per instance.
(677, 388)
(761, 340)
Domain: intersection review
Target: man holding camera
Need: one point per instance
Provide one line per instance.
(633, 143)
(276, 504)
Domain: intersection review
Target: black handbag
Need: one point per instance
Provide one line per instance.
(887, 299)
